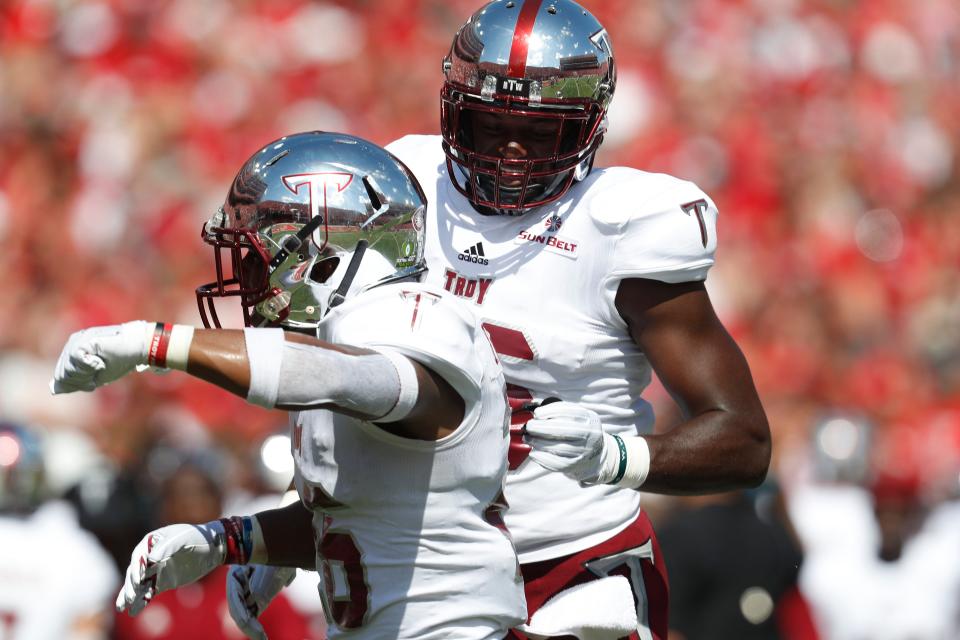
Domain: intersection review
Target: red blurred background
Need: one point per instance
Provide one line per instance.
(827, 131)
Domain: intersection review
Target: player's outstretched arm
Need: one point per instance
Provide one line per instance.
(270, 368)
(179, 554)
(724, 441)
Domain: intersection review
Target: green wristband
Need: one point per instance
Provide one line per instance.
(622, 469)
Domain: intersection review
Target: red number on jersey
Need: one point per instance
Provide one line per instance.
(344, 580)
(512, 343)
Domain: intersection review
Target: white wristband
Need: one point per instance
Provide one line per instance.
(166, 346)
(178, 351)
(264, 355)
(409, 387)
(634, 464)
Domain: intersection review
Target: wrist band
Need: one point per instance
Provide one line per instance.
(622, 467)
(178, 349)
(634, 463)
(170, 346)
(238, 537)
(159, 343)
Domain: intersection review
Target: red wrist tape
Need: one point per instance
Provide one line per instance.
(157, 354)
(238, 538)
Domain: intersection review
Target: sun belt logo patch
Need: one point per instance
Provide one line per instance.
(474, 255)
(556, 244)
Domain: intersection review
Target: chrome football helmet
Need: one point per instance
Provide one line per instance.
(309, 219)
(524, 102)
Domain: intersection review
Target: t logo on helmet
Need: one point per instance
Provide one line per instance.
(318, 184)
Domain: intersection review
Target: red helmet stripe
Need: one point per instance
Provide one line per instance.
(521, 38)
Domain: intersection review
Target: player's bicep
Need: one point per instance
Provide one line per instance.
(439, 409)
(695, 358)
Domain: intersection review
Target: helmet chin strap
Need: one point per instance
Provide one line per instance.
(338, 296)
(276, 307)
(292, 243)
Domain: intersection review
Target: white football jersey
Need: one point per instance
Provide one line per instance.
(544, 285)
(853, 594)
(412, 543)
(53, 574)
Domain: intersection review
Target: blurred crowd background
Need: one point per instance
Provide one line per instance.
(827, 132)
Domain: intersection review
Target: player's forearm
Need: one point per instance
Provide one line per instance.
(288, 536)
(288, 371)
(700, 456)
(272, 369)
(724, 443)
(219, 356)
(713, 452)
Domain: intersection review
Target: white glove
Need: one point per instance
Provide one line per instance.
(99, 355)
(250, 588)
(168, 558)
(568, 438)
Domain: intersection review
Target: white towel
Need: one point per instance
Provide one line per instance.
(597, 610)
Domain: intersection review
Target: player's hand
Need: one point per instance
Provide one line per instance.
(169, 558)
(250, 588)
(99, 355)
(569, 438)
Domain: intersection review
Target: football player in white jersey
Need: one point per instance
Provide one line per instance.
(38, 599)
(399, 418)
(587, 281)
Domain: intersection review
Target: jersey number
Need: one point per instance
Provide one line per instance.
(344, 580)
(628, 562)
(513, 343)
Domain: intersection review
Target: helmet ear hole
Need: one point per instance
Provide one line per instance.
(323, 269)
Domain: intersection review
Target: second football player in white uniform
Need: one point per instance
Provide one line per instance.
(39, 600)
(399, 422)
(587, 281)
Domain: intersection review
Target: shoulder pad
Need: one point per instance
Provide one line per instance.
(666, 227)
(422, 322)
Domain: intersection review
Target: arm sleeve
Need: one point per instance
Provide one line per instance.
(381, 385)
(425, 325)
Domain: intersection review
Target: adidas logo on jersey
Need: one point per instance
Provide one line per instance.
(474, 254)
